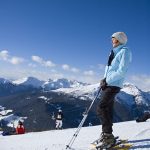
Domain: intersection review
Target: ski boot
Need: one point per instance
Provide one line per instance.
(106, 141)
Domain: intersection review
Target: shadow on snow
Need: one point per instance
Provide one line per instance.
(142, 146)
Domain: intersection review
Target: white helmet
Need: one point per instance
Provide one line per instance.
(121, 37)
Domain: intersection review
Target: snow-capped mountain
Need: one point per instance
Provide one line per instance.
(139, 96)
(130, 102)
(8, 87)
(70, 96)
(129, 94)
(4, 81)
(62, 83)
(29, 81)
(50, 84)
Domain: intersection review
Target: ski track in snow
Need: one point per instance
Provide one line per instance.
(137, 133)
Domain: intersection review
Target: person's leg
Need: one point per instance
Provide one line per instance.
(105, 108)
(105, 112)
(108, 122)
(57, 124)
(60, 124)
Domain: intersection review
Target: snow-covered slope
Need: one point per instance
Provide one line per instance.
(82, 92)
(137, 133)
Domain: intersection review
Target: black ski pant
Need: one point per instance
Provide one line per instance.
(105, 107)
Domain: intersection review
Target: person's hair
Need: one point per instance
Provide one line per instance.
(20, 123)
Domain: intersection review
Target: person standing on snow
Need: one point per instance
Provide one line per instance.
(59, 119)
(20, 128)
(118, 62)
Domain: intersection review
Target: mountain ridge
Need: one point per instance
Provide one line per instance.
(38, 104)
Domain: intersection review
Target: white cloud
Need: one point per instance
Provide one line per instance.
(101, 66)
(44, 75)
(89, 79)
(19, 72)
(4, 55)
(37, 59)
(142, 81)
(49, 64)
(75, 70)
(32, 65)
(89, 73)
(53, 71)
(31, 69)
(66, 67)
(43, 62)
(16, 60)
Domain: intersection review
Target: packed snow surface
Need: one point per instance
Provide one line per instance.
(137, 133)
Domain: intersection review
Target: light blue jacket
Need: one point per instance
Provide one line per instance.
(115, 73)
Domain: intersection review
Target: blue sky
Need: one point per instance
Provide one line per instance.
(71, 38)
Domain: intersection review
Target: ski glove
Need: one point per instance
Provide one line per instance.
(103, 84)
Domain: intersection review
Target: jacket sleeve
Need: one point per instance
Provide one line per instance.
(106, 69)
(125, 59)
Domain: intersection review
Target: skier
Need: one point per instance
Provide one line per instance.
(20, 128)
(118, 62)
(59, 119)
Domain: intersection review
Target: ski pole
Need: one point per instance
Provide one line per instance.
(82, 122)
